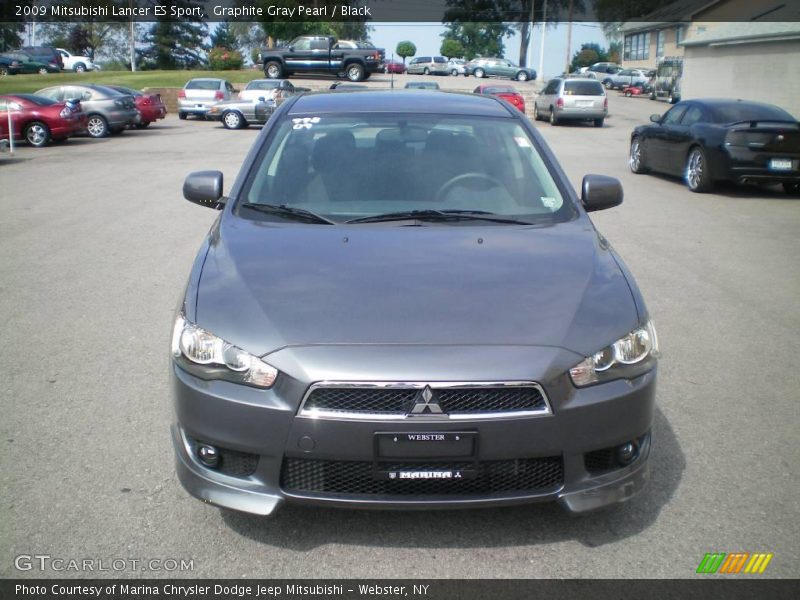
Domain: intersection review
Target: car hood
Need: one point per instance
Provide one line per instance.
(265, 286)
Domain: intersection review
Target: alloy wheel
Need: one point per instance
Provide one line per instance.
(695, 169)
(232, 120)
(36, 134)
(96, 126)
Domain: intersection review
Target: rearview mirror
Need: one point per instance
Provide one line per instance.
(655, 118)
(599, 192)
(204, 188)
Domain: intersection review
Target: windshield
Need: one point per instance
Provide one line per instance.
(356, 166)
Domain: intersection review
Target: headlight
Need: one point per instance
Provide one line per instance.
(205, 355)
(626, 358)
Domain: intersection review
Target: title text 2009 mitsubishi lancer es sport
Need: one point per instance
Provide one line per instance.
(403, 304)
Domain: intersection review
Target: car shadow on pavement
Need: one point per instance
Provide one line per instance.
(305, 528)
(728, 189)
(12, 160)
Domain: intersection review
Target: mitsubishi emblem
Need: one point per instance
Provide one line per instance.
(424, 403)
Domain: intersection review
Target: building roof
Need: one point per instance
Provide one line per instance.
(746, 33)
(671, 14)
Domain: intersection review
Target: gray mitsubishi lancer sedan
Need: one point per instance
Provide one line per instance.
(403, 304)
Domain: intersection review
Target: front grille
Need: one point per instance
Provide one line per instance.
(452, 400)
(354, 478)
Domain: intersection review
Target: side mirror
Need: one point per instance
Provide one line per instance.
(599, 192)
(204, 188)
(655, 118)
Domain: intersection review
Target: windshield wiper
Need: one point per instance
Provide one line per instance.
(440, 215)
(288, 211)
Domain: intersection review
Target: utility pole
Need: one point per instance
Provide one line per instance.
(569, 37)
(540, 73)
(133, 41)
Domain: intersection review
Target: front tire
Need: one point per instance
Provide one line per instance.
(698, 178)
(42, 70)
(80, 68)
(609, 85)
(273, 70)
(37, 134)
(182, 115)
(454, 73)
(479, 73)
(97, 126)
(636, 157)
(522, 76)
(3, 71)
(355, 72)
(232, 120)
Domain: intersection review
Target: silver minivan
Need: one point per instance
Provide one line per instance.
(428, 65)
(576, 99)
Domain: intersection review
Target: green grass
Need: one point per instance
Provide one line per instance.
(139, 80)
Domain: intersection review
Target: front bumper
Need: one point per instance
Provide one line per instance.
(264, 424)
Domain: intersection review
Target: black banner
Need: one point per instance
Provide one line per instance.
(704, 587)
(380, 11)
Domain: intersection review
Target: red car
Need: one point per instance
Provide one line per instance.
(506, 92)
(151, 106)
(394, 66)
(40, 120)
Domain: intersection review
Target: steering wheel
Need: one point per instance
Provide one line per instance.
(459, 180)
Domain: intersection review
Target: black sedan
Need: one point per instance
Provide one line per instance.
(706, 141)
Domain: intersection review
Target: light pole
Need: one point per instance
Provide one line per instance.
(541, 48)
(133, 41)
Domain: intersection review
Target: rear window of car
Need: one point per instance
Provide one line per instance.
(500, 89)
(583, 88)
(739, 111)
(203, 84)
(470, 163)
(262, 85)
(38, 100)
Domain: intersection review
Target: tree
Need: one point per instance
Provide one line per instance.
(588, 55)
(279, 30)
(451, 49)
(11, 36)
(224, 37)
(175, 45)
(479, 39)
(615, 52)
(405, 49)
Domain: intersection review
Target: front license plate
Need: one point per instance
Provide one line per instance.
(780, 164)
(426, 444)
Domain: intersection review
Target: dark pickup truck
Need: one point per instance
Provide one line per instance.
(322, 54)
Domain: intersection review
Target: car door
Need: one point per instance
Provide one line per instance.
(301, 57)
(682, 136)
(663, 138)
(505, 68)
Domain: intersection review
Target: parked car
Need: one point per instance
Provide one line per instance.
(465, 338)
(711, 140)
(428, 65)
(625, 77)
(46, 54)
(199, 94)
(457, 66)
(571, 99)
(601, 71)
(395, 66)
(21, 63)
(79, 64)
(276, 90)
(40, 120)
(237, 113)
(667, 83)
(150, 106)
(499, 67)
(506, 92)
(422, 85)
(107, 110)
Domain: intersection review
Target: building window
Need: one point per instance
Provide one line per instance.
(637, 46)
(678, 34)
(660, 43)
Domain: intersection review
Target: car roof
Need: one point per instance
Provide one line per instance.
(401, 101)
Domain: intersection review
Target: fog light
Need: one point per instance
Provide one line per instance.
(208, 455)
(626, 453)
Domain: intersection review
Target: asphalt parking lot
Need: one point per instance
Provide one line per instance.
(96, 244)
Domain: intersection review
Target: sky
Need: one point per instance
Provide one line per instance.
(427, 38)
